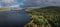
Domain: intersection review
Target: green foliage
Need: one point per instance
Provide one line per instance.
(50, 16)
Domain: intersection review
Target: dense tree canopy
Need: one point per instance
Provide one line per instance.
(45, 17)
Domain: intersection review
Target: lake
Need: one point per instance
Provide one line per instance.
(13, 18)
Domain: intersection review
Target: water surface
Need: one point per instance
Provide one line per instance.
(14, 18)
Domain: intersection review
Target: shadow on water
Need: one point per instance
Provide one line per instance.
(13, 18)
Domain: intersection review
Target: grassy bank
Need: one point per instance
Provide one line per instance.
(9, 9)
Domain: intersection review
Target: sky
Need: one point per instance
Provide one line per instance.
(28, 3)
(40, 3)
(10, 3)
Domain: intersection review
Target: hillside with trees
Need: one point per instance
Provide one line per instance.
(44, 17)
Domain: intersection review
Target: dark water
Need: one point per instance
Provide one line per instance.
(14, 18)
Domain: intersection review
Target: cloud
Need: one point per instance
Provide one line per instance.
(14, 6)
(40, 3)
(7, 3)
(30, 3)
(53, 2)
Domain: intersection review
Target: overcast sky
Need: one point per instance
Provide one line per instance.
(40, 3)
(29, 3)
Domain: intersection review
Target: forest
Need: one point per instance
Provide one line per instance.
(44, 17)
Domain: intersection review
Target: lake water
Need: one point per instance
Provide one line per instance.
(14, 18)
